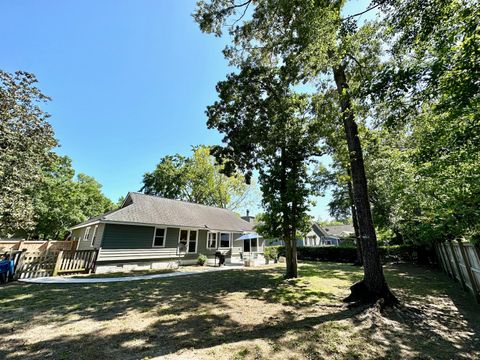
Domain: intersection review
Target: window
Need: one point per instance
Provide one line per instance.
(224, 240)
(159, 237)
(182, 241)
(94, 235)
(212, 240)
(87, 233)
(192, 242)
(188, 241)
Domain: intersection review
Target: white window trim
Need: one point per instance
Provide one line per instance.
(164, 237)
(86, 234)
(229, 240)
(188, 239)
(216, 239)
(93, 235)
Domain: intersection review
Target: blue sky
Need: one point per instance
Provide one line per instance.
(129, 80)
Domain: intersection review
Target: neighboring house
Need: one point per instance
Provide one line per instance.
(326, 235)
(154, 232)
(320, 236)
(340, 230)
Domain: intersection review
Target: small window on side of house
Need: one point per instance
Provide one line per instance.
(94, 235)
(159, 237)
(87, 234)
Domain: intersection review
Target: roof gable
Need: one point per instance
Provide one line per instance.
(318, 230)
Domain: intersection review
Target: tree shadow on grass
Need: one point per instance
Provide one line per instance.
(195, 312)
(301, 292)
(164, 337)
(21, 303)
(339, 271)
(437, 320)
(185, 308)
(292, 293)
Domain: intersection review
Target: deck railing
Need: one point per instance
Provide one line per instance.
(33, 264)
(75, 261)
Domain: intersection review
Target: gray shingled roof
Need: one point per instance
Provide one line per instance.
(155, 210)
(337, 230)
(318, 230)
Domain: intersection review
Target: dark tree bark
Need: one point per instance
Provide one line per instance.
(294, 263)
(291, 256)
(373, 286)
(290, 245)
(358, 243)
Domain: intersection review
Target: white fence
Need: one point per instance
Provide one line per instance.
(461, 261)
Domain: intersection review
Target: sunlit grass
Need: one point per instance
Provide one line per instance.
(252, 313)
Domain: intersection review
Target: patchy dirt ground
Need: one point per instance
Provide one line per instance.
(240, 314)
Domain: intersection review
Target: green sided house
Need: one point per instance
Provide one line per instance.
(150, 232)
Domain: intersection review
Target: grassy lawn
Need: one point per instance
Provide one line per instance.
(131, 273)
(240, 314)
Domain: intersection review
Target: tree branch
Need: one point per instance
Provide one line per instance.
(360, 66)
(244, 12)
(234, 6)
(364, 11)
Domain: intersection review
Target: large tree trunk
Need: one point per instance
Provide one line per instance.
(290, 245)
(294, 264)
(373, 286)
(291, 257)
(358, 242)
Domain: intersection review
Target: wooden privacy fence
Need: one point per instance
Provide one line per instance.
(50, 263)
(461, 261)
(37, 245)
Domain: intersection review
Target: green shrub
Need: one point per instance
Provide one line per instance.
(271, 252)
(347, 242)
(327, 253)
(202, 259)
(406, 252)
(349, 254)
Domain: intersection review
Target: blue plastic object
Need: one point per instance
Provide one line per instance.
(5, 266)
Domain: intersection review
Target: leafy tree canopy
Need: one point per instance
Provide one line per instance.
(62, 200)
(26, 142)
(198, 179)
(39, 195)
